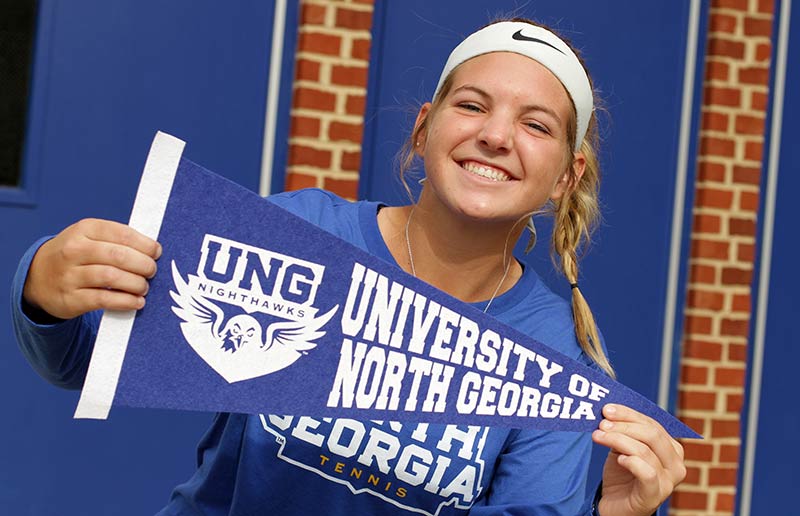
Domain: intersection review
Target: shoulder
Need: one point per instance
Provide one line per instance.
(546, 317)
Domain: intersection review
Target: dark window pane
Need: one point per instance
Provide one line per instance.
(16, 43)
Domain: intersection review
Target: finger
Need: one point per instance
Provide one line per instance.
(119, 256)
(122, 234)
(646, 429)
(626, 445)
(652, 488)
(647, 441)
(105, 299)
(105, 276)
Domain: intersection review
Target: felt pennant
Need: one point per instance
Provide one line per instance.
(256, 310)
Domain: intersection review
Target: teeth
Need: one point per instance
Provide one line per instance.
(489, 173)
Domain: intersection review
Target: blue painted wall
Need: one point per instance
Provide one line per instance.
(106, 77)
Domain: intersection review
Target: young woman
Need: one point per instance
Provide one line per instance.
(510, 132)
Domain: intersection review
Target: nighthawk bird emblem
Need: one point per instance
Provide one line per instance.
(239, 348)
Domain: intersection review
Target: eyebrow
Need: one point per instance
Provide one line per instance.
(526, 108)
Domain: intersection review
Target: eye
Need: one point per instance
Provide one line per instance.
(536, 126)
(469, 106)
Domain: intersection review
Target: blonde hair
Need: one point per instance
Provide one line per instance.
(576, 213)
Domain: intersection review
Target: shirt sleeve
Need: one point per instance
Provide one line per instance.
(59, 351)
(540, 473)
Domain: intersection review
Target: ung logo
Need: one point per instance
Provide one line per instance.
(237, 288)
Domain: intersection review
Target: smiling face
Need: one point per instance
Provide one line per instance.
(496, 147)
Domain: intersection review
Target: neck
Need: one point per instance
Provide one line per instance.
(470, 261)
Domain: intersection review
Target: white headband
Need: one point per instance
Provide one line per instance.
(538, 44)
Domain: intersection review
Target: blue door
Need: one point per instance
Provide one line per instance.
(770, 455)
(636, 52)
(106, 76)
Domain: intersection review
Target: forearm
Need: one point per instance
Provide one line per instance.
(58, 350)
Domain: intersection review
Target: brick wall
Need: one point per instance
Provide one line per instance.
(329, 95)
(718, 303)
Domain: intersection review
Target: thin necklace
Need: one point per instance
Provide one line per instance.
(506, 264)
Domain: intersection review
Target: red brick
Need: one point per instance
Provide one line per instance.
(724, 428)
(307, 70)
(319, 43)
(734, 328)
(754, 75)
(305, 126)
(753, 125)
(741, 227)
(340, 131)
(746, 175)
(702, 349)
(304, 155)
(746, 252)
(766, 6)
(729, 377)
(725, 503)
(714, 198)
(696, 424)
(719, 96)
(704, 223)
(722, 23)
(748, 201)
(703, 274)
(694, 375)
(712, 146)
(698, 451)
(710, 249)
(764, 52)
(758, 101)
(349, 75)
(692, 476)
(295, 181)
(344, 187)
(758, 27)
(741, 302)
(311, 14)
(737, 352)
(360, 49)
(725, 48)
(689, 500)
(713, 121)
(736, 276)
(717, 70)
(705, 299)
(353, 19)
(707, 171)
(692, 400)
(734, 403)
(722, 476)
(697, 325)
(739, 5)
(754, 151)
(355, 104)
(310, 98)
(729, 453)
(351, 161)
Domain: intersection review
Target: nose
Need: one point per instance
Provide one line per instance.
(496, 133)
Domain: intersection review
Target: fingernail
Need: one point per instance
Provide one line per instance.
(159, 250)
(606, 424)
(610, 409)
(141, 303)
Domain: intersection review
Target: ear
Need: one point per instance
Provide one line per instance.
(570, 178)
(422, 134)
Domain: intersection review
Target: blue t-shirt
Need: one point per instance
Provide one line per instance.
(291, 465)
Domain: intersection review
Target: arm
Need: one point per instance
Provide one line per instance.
(63, 282)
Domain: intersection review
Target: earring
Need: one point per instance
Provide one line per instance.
(532, 238)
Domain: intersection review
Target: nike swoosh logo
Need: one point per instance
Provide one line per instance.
(521, 37)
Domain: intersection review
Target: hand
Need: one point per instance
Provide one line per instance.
(93, 264)
(643, 467)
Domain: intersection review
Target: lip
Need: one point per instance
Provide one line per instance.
(486, 171)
